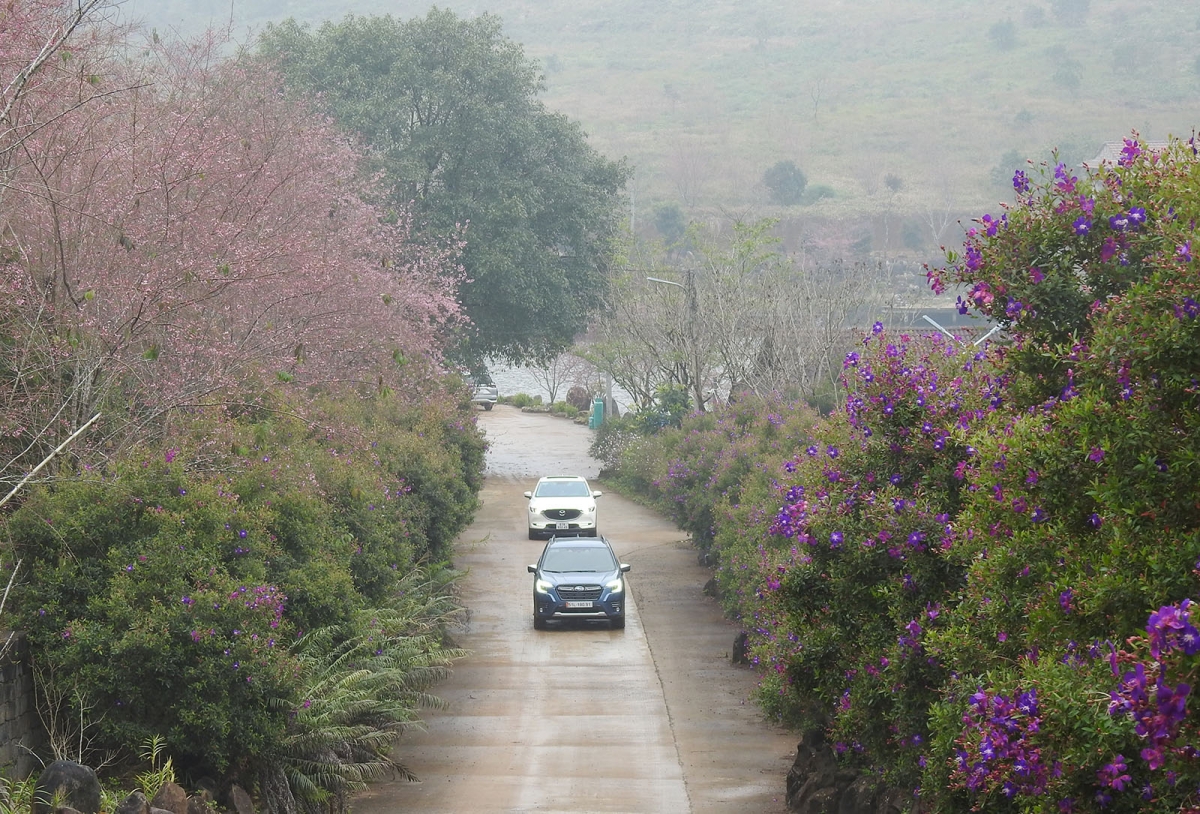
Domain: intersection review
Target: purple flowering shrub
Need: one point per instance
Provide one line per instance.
(977, 577)
(1081, 512)
(860, 573)
(1069, 243)
(705, 464)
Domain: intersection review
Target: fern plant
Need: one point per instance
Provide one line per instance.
(365, 683)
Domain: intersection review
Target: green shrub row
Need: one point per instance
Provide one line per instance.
(264, 591)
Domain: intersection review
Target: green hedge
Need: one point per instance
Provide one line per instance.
(168, 594)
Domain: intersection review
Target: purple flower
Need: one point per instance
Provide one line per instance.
(1020, 181)
(1082, 225)
(242, 533)
(1064, 600)
(170, 454)
(1064, 181)
(1184, 252)
(1096, 455)
(1190, 309)
(877, 328)
(1035, 275)
(1169, 628)
(1095, 521)
(1113, 774)
(1129, 152)
(835, 539)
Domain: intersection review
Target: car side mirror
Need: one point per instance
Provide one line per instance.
(597, 494)
(625, 567)
(529, 494)
(531, 569)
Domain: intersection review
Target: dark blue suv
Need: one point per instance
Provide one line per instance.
(578, 578)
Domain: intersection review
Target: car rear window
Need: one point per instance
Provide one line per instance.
(562, 488)
(568, 559)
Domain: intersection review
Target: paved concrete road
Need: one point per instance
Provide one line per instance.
(653, 718)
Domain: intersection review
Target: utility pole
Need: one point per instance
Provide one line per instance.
(692, 353)
(693, 308)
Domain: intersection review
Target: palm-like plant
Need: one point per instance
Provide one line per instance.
(363, 686)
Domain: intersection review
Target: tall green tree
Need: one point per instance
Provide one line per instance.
(451, 112)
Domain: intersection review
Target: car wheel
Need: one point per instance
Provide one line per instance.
(618, 623)
(533, 535)
(487, 405)
(538, 622)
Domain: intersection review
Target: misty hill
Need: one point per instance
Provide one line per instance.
(920, 107)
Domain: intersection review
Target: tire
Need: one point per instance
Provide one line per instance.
(533, 535)
(618, 623)
(538, 622)
(487, 405)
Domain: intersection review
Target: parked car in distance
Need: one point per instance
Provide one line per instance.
(578, 578)
(484, 392)
(561, 505)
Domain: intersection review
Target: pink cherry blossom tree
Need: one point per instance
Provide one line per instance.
(195, 234)
(37, 48)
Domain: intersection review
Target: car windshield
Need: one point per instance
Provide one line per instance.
(562, 488)
(576, 560)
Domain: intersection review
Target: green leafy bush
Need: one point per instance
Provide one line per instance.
(521, 400)
(172, 593)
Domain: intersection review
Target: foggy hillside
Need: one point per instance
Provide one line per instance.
(919, 107)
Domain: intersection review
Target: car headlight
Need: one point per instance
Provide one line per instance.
(532, 510)
(590, 509)
(616, 586)
(543, 586)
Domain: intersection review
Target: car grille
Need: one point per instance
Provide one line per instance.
(579, 592)
(560, 514)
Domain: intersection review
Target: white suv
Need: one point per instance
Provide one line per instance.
(562, 505)
(484, 393)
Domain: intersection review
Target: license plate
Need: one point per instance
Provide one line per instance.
(562, 525)
(580, 603)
